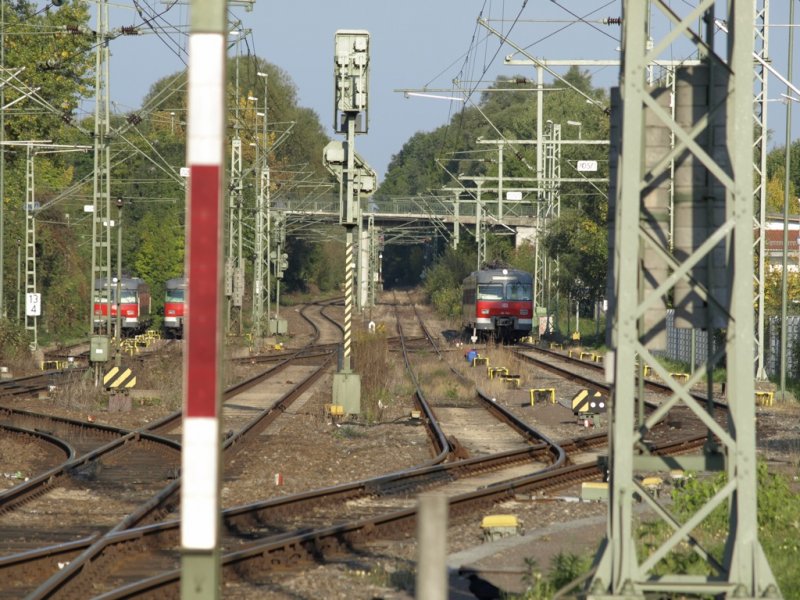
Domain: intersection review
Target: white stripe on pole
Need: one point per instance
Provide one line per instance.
(199, 485)
(206, 98)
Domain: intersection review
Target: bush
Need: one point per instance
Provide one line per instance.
(447, 302)
(14, 340)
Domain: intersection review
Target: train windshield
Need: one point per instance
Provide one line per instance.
(490, 291)
(519, 291)
(175, 295)
(101, 296)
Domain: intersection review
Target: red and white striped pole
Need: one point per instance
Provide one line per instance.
(202, 387)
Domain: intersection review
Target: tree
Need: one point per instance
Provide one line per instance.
(58, 64)
(775, 193)
(580, 244)
(508, 114)
(160, 252)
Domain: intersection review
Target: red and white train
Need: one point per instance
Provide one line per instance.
(497, 303)
(133, 305)
(175, 307)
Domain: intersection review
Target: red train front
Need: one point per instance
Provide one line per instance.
(498, 302)
(134, 304)
(175, 307)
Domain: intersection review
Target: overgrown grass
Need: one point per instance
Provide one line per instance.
(164, 376)
(564, 569)
(440, 386)
(80, 393)
(383, 380)
(778, 528)
(778, 531)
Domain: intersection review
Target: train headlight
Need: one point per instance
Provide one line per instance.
(484, 311)
(523, 311)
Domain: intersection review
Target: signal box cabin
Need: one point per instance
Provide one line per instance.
(134, 303)
(498, 302)
(175, 307)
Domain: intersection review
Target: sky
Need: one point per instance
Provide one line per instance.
(415, 44)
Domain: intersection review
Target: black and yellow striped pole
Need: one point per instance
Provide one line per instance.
(348, 292)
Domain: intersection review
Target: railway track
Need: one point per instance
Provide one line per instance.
(290, 531)
(242, 521)
(247, 413)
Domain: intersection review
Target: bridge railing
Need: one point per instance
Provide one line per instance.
(431, 205)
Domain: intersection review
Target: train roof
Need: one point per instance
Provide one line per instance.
(489, 275)
(125, 283)
(176, 283)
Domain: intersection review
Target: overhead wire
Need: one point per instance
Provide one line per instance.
(584, 21)
(477, 80)
(150, 19)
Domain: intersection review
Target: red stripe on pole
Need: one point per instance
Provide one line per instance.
(203, 240)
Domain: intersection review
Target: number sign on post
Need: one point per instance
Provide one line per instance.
(33, 305)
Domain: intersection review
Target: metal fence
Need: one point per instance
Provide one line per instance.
(679, 345)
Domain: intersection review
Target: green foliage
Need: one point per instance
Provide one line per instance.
(776, 165)
(14, 340)
(316, 266)
(565, 568)
(580, 244)
(62, 277)
(773, 281)
(449, 270)
(778, 528)
(160, 252)
(58, 64)
(447, 302)
(581, 239)
(442, 281)
(147, 148)
(776, 195)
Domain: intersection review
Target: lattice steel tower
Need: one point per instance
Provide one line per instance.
(101, 189)
(710, 272)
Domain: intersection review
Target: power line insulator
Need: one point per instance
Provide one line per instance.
(612, 21)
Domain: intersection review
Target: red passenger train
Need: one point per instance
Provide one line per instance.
(498, 303)
(134, 304)
(175, 307)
